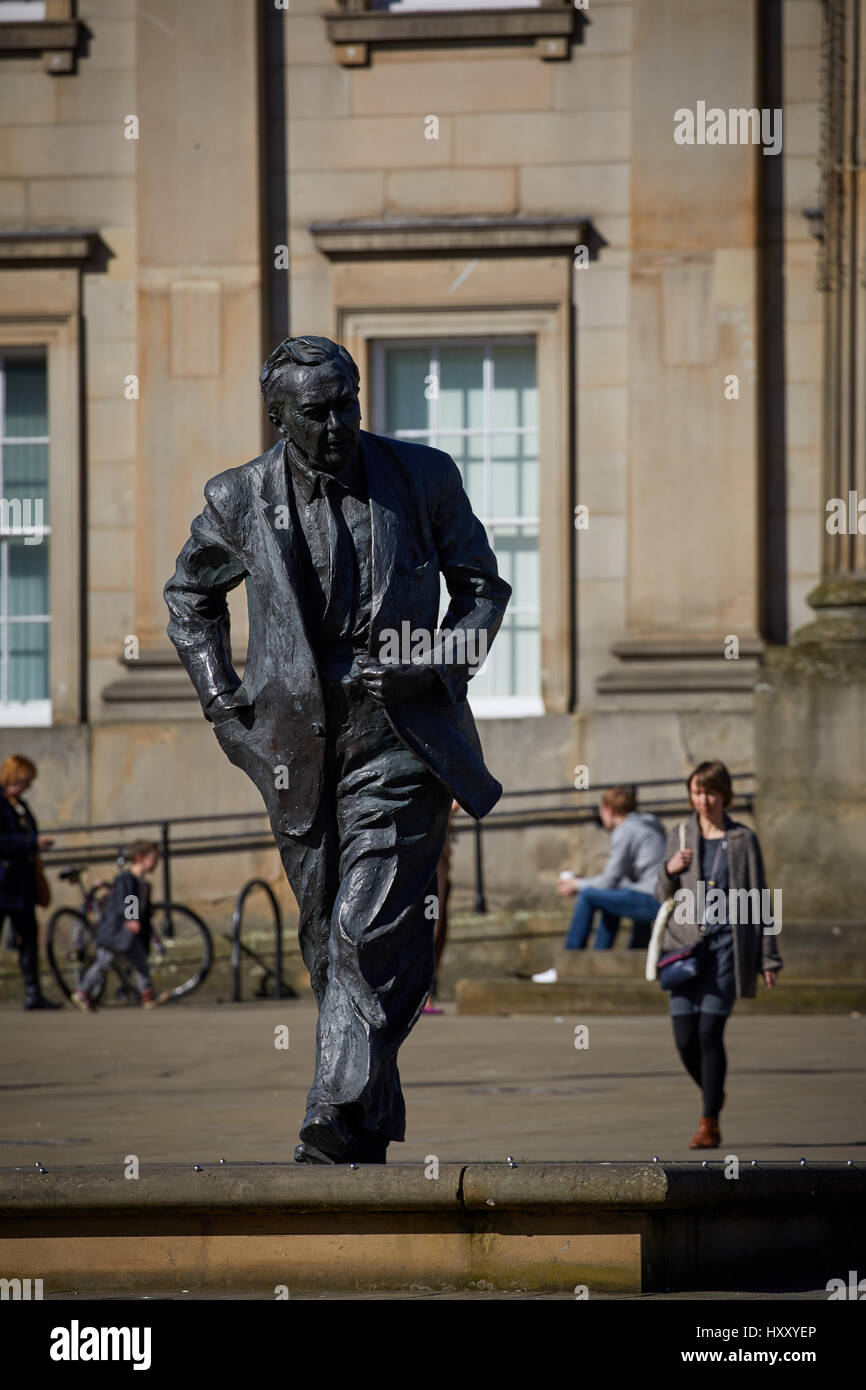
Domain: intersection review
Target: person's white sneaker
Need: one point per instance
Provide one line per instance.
(547, 977)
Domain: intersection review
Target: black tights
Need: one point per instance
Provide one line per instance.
(699, 1042)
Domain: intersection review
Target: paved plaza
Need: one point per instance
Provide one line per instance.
(193, 1083)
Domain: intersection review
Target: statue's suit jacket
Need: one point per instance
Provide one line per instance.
(421, 524)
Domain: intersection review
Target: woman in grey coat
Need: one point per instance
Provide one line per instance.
(721, 900)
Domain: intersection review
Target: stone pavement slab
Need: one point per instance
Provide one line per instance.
(196, 1083)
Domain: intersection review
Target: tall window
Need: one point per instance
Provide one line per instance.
(478, 401)
(24, 602)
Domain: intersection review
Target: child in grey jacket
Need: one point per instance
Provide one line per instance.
(125, 928)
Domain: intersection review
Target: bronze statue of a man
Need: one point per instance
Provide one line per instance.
(341, 536)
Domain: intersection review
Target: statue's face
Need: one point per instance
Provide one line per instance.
(317, 409)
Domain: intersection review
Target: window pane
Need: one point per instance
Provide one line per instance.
(28, 661)
(517, 557)
(514, 475)
(461, 388)
(523, 550)
(467, 451)
(515, 395)
(407, 407)
(26, 411)
(25, 476)
(527, 656)
(27, 593)
(479, 685)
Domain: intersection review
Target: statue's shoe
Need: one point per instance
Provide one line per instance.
(327, 1137)
(370, 1149)
(325, 1131)
(305, 1153)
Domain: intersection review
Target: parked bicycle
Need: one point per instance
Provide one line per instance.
(181, 949)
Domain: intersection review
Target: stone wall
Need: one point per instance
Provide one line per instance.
(702, 509)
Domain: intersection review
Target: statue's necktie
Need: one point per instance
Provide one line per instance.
(341, 557)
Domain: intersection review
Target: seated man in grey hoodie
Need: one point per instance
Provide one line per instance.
(625, 887)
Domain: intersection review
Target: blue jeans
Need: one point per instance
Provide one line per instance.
(613, 903)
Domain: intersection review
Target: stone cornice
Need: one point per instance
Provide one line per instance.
(56, 39)
(659, 665)
(55, 245)
(552, 26)
(445, 236)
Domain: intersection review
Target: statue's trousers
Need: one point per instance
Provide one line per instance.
(365, 880)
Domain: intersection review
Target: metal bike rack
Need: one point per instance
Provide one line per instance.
(281, 990)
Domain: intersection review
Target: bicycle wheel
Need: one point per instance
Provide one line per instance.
(70, 944)
(187, 951)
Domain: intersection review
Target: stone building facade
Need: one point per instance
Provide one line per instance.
(615, 331)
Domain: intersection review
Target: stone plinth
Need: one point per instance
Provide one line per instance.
(810, 764)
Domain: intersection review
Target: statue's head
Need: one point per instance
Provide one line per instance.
(310, 386)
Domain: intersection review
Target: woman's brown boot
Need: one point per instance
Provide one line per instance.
(707, 1135)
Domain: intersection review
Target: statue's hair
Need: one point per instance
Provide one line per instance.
(305, 352)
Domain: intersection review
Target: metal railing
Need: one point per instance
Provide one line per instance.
(172, 846)
(567, 813)
(563, 812)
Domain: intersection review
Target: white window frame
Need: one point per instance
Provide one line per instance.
(490, 706)
(57, 336)
(548, 324)
(18, 713)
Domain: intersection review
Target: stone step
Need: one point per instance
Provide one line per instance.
(511, 996)
(525, 943)
(502, 944)
(577, 966)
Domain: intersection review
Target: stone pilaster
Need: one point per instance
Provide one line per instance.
(811, 699)
(840, 598)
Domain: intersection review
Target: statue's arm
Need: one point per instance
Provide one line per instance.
(208, 568)
(478, 594)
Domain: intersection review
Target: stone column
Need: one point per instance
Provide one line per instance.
(840, 598)
(811, 700)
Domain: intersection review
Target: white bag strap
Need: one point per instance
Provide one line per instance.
(661, 921)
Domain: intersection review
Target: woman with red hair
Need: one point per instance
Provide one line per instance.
(22, 882)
